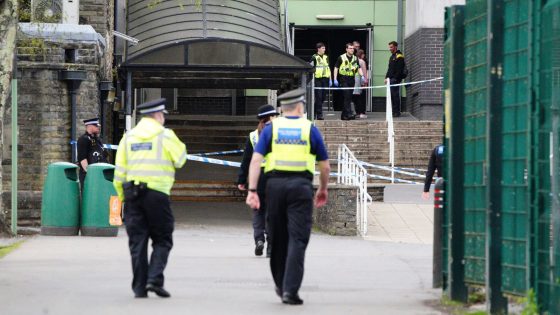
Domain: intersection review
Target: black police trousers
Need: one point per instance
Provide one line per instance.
(259, 220)
(347, 82)
(396, 97)
(290, 206)
(149, 217)
(320, 95)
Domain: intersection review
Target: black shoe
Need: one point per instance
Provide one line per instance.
(351, 117)
(292, 299)
(140, 295)
(259, 248)
(396, 114)
(278, 291)
(320, 117)
(160, 291)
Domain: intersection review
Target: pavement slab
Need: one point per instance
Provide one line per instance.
(212, 270)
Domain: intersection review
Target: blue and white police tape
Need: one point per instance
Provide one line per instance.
(388, 168)
(377, 86)
(212, 161)
(219, 153)
(111, 146)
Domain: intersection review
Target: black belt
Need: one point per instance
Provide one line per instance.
(285, 174)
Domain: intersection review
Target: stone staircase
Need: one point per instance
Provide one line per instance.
(201, 190)
(414, 141)
(199, 181)
(212, 133)
(367, 139)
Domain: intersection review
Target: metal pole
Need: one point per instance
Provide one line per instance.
(14, 151)
(128, 108)
(497, 304)
(454, 170)
(437, 270)
(73, 127)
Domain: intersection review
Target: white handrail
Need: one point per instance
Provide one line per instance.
(390, 130)
(352, 173)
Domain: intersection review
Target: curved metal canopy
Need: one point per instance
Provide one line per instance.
(223, 44)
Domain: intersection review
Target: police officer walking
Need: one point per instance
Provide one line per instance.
(266, 114)
(90, 148)
(291, 145)
(144, 174)
(320, 61)
(345, 69)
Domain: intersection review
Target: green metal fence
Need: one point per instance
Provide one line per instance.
(502, 105)
(515, 151)
(474, 184)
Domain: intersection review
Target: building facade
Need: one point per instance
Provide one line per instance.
(424, 55)
(374, 23)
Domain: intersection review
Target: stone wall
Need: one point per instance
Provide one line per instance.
(44, 119)
(8, 23)
(338, 217)
(100, 15)
(424, 58)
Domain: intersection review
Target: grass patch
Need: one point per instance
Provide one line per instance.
(5, 250)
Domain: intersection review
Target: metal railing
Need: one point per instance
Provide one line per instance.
(352, 173)
(390, 130)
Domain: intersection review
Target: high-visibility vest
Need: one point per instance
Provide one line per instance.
(348, 67)
(291, 146)
(254, 138)
(149, 153)
(322, 69)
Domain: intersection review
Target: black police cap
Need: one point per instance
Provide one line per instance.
(267, 110)
(292, 97)
(153, 106)
(92, 121)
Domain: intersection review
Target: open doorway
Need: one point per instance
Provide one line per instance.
(305, 39)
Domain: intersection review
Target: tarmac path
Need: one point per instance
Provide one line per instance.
(212, 270)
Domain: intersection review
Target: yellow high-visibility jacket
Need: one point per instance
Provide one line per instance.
(149, 153)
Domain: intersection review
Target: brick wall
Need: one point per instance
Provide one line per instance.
(424, 58)
(44, 119)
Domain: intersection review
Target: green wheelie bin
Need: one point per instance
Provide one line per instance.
(98, 189)
(60, 206)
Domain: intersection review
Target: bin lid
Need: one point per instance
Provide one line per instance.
(63, 165)
(101, 166)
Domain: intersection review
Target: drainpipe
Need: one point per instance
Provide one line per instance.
(104, 88)
(74, 78)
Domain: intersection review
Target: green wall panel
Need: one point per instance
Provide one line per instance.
(355, 12)
(386, 13)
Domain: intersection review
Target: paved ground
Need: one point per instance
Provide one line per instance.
(212, 271)
(404, 217)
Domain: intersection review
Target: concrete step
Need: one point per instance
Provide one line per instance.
(204, 191)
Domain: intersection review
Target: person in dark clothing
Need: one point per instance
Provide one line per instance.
(345, 69)
(320, 62)
(90, 148)
(435, 164)
(395, 75)
(266, 114)
(292, 146)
